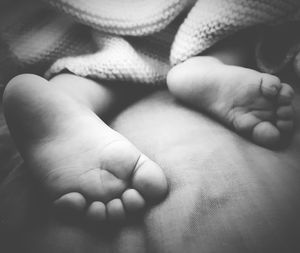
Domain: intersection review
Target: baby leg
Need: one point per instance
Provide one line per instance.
(84, 166)
(254, 104)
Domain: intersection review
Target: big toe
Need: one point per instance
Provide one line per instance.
(270, 85)
(149, 180)
(71, 203)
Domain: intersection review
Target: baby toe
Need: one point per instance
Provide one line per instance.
(270, 85)
(285, 126)
(266, 134)
(149, 180)
(115, 210)
(133, 201)
(286, 94)
(245, 122)
(96, 212)
(285, 112)
(73, 202)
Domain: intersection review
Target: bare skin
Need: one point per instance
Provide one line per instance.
(85, 166)
(254, 104)
(90, 169)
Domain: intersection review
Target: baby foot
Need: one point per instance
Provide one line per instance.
(85, 167)
(254, 104)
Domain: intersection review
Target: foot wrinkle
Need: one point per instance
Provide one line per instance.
(230, 115)
(99, 169)
(88, 170)
(117, 178)
(235, 124)
(103, 150)
(261, 81)
(110, 143)
(69, 150)
(136, 166)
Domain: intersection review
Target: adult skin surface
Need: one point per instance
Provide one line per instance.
(226, 194)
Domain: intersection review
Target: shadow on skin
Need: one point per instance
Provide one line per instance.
(226, 194)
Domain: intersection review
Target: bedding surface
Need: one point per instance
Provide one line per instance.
(102, 39)
(226, 194)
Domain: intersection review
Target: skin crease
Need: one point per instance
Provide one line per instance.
(57, 130)
(172, 145)
(81, 164)
(259, 205)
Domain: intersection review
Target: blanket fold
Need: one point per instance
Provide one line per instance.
(137, 41)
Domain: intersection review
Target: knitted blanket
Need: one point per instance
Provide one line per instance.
(136, 40)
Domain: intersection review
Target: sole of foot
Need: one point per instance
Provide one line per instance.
(254, 104)
(85, 167)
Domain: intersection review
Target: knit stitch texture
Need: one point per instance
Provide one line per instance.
(132, 40)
